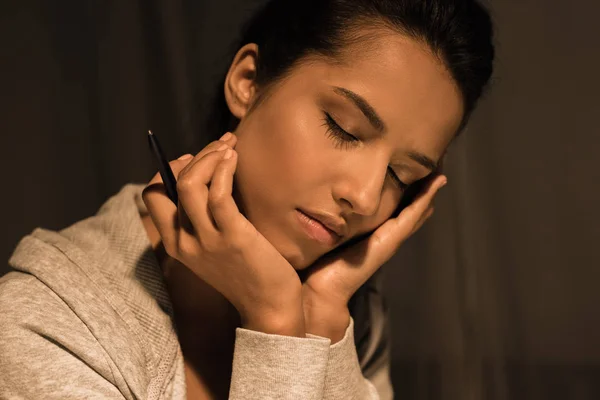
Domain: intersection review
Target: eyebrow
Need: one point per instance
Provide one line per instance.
(378, 124)
(363, 105)
(423, 160)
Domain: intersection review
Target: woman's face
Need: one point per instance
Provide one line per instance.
(396, 99)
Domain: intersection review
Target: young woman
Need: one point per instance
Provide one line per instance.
(262, 282)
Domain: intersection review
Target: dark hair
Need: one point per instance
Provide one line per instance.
(459, 32)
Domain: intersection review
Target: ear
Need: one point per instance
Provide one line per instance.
(240, 87)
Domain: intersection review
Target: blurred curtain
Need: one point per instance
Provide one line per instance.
(495, 298)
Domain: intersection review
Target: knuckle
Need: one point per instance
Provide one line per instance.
(187, 249)
(185, 183)
(220, 143)
(181, 172)
(234, 245)
(377, 239)
(413, 212)
(145, 192)
(237, 241)
(170, 246)
(210, 245)
(216, 198)
(210, 158)
(216, 145)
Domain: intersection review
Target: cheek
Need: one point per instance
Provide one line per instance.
(287, 141)
(274, 160)
(390, 200)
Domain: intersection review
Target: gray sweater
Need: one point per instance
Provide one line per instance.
(85, 314)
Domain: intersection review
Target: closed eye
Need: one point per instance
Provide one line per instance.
(345, 140)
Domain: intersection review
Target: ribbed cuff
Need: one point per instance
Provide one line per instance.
(269, 366)
(344, 379)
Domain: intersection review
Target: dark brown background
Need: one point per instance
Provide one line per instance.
(495, 298)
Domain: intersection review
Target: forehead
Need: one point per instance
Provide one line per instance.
(405, 83)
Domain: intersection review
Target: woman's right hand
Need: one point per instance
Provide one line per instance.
(209, 235)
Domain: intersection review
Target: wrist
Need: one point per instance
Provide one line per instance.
(285, 318)
(331, 323)
(284, 323)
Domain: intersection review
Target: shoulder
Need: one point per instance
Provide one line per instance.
(89, 298)
(29, 309)
(41, 339)
(53, 347)
(23, 296)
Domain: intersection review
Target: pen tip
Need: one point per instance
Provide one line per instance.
(149, 132)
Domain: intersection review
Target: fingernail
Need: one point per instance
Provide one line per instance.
(222, 147)
(228, 154)
(185, 157)
(226, 136)
(444, 182)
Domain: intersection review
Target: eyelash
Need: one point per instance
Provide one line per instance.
(346, 140)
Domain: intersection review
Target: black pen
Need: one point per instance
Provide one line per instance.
(164, 168)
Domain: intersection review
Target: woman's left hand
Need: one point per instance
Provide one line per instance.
(333, 279)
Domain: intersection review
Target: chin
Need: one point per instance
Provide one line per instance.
(297, 259)
(277, 234)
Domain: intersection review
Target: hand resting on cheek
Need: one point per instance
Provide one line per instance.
(209, 235)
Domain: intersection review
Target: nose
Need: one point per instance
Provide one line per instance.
(361, 187)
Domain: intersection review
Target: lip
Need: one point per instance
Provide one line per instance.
(316, 230)
(329, 221)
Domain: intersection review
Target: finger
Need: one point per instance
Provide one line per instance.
(410, 216)
(192, 188)
(423, 219)
(160, 207)
(390, 236)
(176, 166)
(162, 211)
(385, 241)
(220, 201)
(372, 252)
(155, 192)
(226, 141)
(217, 146)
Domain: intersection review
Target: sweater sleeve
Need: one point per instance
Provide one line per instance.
(267, 366)
(344, 379)
(46, 352)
